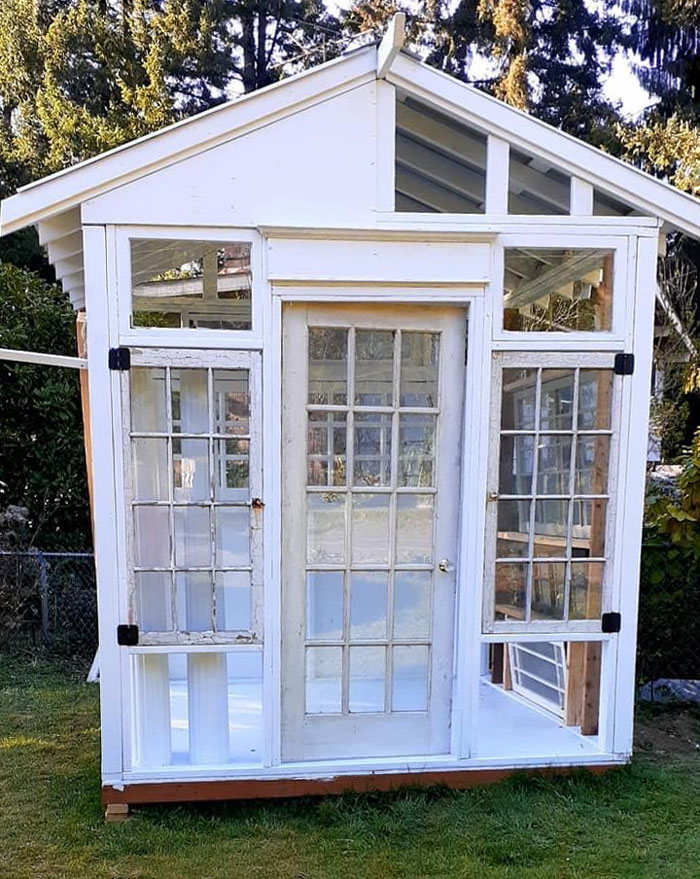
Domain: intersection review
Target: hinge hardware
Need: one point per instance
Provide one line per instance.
(611, 622)
(119, 358)
(624, 364)
(127, 636)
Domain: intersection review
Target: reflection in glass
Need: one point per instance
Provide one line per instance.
(551, 527)
(409, 690)
(588, 534)
(412, 604)
(518, 399)
(372, 452)
(592, 458)
(326, 448)
(325, 528)
(414, 528)
(513, 523)
(324, 680)
(233, 601)
(416, 450)
(594, 399)
(232, 467)
(231, 401)
(374, 367)
(368, 601)
(191, 470)
(557, 399)
(367, 677)
(516, 464)
(585, 602)
(328, 367)
(190, 394)
(548, 579)
(324, 605)
(419, 369)
(370, 529)
(553, 464)
(511, 590)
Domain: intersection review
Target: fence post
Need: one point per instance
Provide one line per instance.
(44, 593)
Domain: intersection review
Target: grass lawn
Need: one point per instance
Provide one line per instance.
(639, 821)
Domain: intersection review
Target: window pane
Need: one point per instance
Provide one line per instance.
(194, 601)
(513, 528)
(416, 450)
(557, 290)
(231, 462)
(192, 537)
(414, 528)
(419, 369)
(586, 597)
(191, 470)
(511, 590)
(190, 400)
(554, 465)
(367, 677)
(325, 526)
(326, 448)
(370, 529)
(368, 601)
(374, 367)
(548, 590)
(323, 680)
(592, 459)
(412, 604)
(181, 283)
(233, 601)
(557, 399)
(150, 458)
(409, 690)
(148, 410)
(232, 536)
(372, 452)
(551, 526)
(151, 537)
(231, 401)
(516, 463)
(588, 537)
(324, 605)
(328, 366)
(518, 399)
(595, 399)
(152, 605)
(533, 190)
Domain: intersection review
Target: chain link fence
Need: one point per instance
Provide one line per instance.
(48, 602)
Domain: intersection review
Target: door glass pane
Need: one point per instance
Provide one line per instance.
(553, 464)
(372, 452)
(192, 537)
(374, 367)
(150, 469)
(233, 596)
(194, 601)
(414, 528)
(409, 691)
(595, 399)
(152, 601)
(516, 464)
(324, 605)
(326, 448)
(367, 677)
(151, 537)
(548, 580)
(511, 591)
(325, 528)
(551, 526)
(588, 532)
(518, 399)
(191, 470)
(368, 601)
(419, 369)
(232, 536)
(328, 366)
(190, 394)
(586, 590)
(513, 529)
(412, 604)
(557, 399)
(148, 407)
(592, 458)
(185, 283)
(416, 450)
(232, 468)
(232, 401)
(370, 529)
(324, 680)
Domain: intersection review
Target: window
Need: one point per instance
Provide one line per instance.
(185, 283)
(563, 290)
(536, 188)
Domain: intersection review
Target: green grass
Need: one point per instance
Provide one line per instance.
(638, 821)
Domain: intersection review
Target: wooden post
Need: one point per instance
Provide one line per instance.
(81, 339)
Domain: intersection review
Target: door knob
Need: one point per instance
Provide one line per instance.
(445, 565)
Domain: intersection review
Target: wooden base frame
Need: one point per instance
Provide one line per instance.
(279, 788)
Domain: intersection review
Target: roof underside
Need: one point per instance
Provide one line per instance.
(442, 126)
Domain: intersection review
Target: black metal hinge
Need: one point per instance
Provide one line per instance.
(611, 622)
(127, 636)
(119, 358)
(624, 364)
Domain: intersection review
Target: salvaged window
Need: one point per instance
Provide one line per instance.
(186, 283)
(195, 473)
(557, 290)
(549, 491)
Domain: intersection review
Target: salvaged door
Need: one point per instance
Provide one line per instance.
(372, 428)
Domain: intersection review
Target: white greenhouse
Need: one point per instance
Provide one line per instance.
(368, 361)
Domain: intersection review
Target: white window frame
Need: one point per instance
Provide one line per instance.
(245, 360)
(186, 337)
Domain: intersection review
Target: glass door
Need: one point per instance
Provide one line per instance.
(372, 411)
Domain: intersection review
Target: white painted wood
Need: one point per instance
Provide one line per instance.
(207, 707)
(72, 186)
(391, 43)
(581, 198)
(385, 145)
(59, 226)
(42, 359)
(497, 175)
(152, 691)
(368, 261)
(249, 180)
